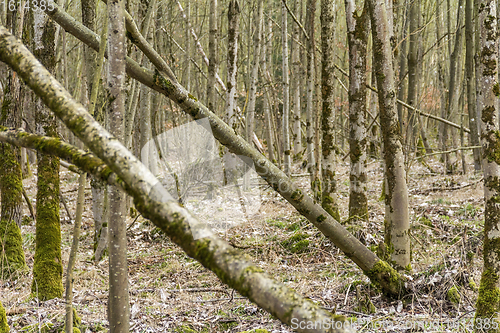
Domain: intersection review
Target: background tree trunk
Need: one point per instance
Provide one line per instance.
(118, 302)
(286, 92)
(397, 224)
(328, 119)
(357, 34)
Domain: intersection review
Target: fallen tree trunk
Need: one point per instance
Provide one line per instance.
(379, 272)
(151, 199)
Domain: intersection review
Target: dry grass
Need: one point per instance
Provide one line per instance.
(171, 292)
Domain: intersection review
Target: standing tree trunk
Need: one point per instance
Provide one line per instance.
(212, 57)
(413, 74)
(488, 302)
(295, 87)
(454, 79)
(266, 103)
(286, 92)
(12, 258)
(471, 92)
(402, 66)
(357, 35)
(311, 11)
(233, 15)
(4, 327)
(118, 302)
(47, 268)
(397, 224)
(329, 160)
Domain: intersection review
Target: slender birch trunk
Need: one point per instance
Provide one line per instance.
(397, 224)
(118, 302)
(413, 75)
(488, 302)
(329, 199)
(286, 92)
(267, 100)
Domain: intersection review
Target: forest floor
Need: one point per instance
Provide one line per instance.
(170, 292)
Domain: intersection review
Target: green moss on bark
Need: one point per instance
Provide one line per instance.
(488, 299)
(12, 257)
(4, 327)
(47, 269)
(383, 276)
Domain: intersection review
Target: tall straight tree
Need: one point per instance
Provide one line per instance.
(212, 56)
(310, 15)
(250, 116)
(47, 268)
(286, 90)
(328, 117)
(397, 222)
(295, 87)
(470, 82)
(488, 302)
(357, 36)
(118, 302)
(11, 181)
(233, 15)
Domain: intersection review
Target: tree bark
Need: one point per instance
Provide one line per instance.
(12, 259)
(286, 92)
(357, 35)
(397, 224)
(470, 82)
(329, 200)
(118, 301)
(310, 15)
(47, 268)
(295, 87)
(488, 302)
(212, 56)
(233, 15)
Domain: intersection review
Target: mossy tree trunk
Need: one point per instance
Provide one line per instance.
(488, 303)
(118, 301)
(4, 327)
(328, 117)
(11, 244)
(47, 268)
(357, 35)
(397, 222)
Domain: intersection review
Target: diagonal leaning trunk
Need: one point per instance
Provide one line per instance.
(151, 199)
(397, 224)
(380, 273)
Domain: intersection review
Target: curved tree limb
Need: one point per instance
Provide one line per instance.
(152, 200)
(380, 273)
